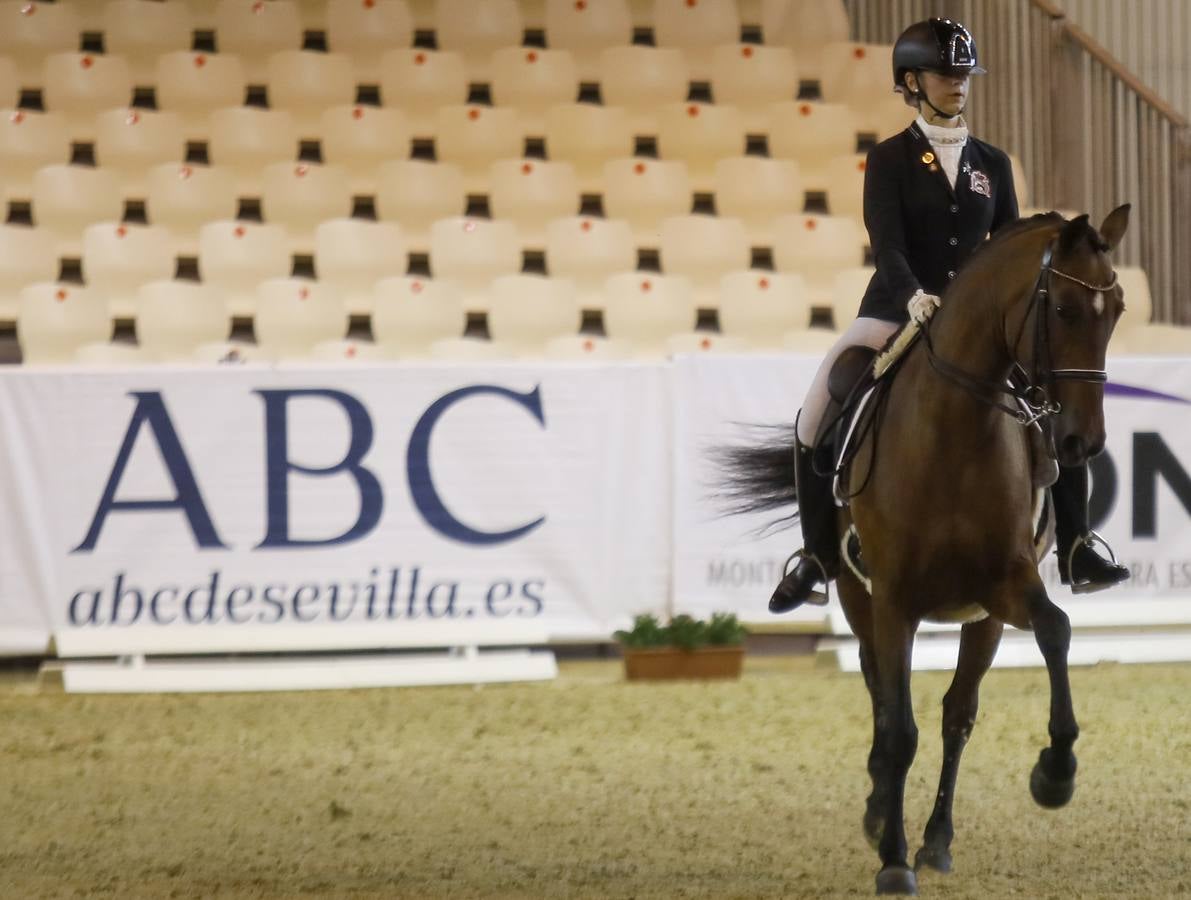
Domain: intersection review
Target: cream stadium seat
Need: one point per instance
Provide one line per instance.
(362, 139)
(757, 190)
(202, 13)
(1139, 303)
(101, 354)
(418, 82)
(305, 83)
(55, 320)
(182, 198)
(886, 116)
(469, 253)
(229, 353)
(846, 294)
(477, 30)
(589, 250)
(10, 84)
(818, 248)
(365, 30)
(298, 196)
(530, 193)
(66, 199)
(27, 256)
(175, 318)
(586, 29)
(119, 258)
(752, 77)
(130, 142)
(29, 141)
(473, 137)
(646, 191)
(696, 27)
(705, 342)
(760, 307)
(410, 314)
(856, 74)
(576, 347)
(29, 32)
(235, 258)
(646, 309)
(845, 186)
(352, 255)
(531, 80)
(700, 134)
(313, 13)
(79, 85)
(195, 84)
(294, 315)
(529, 310)
(348, 351)
(809, 341)
(470, 350)
(256, 29)
(415, 194)
(142, 30)
(248, 138)
(587, 136)
(703, 249)
(812, 134)
(806, 26)
(641, 80)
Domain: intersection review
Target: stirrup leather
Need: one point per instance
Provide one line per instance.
(816, 598)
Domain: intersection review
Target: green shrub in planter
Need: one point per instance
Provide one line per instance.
(684, 632)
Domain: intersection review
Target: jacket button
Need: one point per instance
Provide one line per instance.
(953, 241)
(954, 208)
(950, 274)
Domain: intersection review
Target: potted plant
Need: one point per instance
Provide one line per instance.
(684, 648)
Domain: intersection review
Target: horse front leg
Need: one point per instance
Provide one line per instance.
(1053, 780)
(897, 742)
(874, 805)
(977, 646)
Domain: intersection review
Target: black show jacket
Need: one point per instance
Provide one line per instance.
(920, 228)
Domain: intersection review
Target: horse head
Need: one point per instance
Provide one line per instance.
(1077, 305)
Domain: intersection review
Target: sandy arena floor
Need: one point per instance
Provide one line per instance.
(586, 787)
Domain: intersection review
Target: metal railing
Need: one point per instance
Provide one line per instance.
(1089, 134)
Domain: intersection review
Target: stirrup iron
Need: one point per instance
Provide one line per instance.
(816, 598)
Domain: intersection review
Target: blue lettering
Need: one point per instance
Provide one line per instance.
(300, 602)
(275, 602)
(153, 612)
(91, 615)
(237, 598)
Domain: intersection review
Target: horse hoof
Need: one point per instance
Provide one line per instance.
(1048, 792)
(897, 880)
(937, 858)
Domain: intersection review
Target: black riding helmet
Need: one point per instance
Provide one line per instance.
(936, 45)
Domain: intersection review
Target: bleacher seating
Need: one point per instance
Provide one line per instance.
(27, 256)
(55, 320)
(118, 259)
(364, 30)
(256, 29)
(30, 31)
(641, 80)
(352, 255)
(142, 30)
(29, 141)
(175, 318)
(66, 199)
(79, 86)
(527, 311)
(409, 314)
(182, 198)
(294, 315)
(235, 258)
(195, 84)
(586, 29)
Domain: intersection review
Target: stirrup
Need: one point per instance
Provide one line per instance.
(1090, 540)
(816, 598)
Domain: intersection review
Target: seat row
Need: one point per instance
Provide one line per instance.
(365, 29)
(351, 255)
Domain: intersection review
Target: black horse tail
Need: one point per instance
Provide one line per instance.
(759, 475)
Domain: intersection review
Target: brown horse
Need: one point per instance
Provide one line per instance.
(945, 514)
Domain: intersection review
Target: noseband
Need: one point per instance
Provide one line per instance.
(1028, 388)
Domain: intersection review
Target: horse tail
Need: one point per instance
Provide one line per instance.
(758, 476)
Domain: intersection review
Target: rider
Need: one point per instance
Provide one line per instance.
(931, 195)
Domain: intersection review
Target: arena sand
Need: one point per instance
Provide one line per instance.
(585, 787)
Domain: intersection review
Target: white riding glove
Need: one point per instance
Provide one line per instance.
(922, 306)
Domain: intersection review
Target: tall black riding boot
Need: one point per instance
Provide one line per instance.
(819, 557)
(1079, 564)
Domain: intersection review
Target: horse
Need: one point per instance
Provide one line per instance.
(945, 504)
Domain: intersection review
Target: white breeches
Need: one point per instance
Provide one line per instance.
(863, 332)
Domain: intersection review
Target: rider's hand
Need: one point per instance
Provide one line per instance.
(922, 306)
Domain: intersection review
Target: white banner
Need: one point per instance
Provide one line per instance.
(167, 502)
(1141, 495)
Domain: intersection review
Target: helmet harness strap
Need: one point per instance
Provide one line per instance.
(920, 94)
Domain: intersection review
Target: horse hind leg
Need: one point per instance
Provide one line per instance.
(1052, 781)
(977, 646)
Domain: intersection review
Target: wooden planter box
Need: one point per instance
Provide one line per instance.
(671, 662)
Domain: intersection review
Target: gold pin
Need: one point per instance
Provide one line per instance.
(928, 157)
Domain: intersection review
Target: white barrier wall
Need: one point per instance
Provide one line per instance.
(177, 510)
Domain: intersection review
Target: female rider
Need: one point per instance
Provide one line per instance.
(931, 195)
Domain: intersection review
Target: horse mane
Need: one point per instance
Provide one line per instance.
(1012, 230)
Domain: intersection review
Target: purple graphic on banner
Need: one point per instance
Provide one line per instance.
(1138, 393)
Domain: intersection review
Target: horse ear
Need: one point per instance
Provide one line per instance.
(1073, 233)
(1114, 225)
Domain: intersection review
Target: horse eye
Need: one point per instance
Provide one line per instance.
(1067, 313)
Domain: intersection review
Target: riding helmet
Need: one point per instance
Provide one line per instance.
(936, 45)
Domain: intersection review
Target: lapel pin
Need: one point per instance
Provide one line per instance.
(928, 157)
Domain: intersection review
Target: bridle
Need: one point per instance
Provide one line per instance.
(1027, 388)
